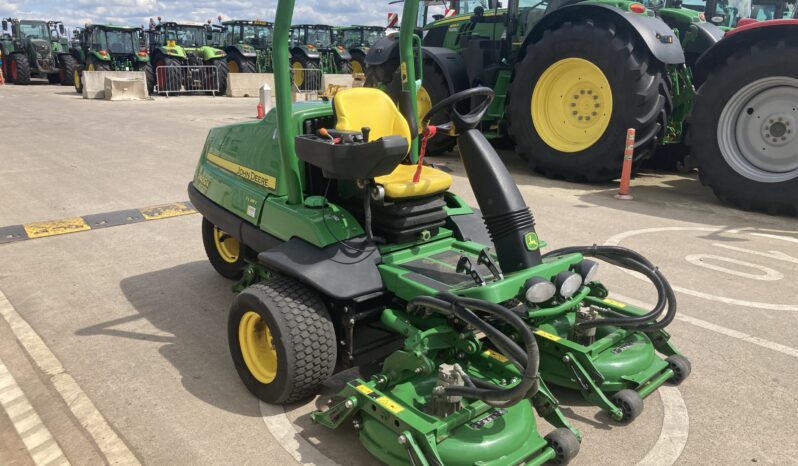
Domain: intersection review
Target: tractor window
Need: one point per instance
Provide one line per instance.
(257, 35)
(34, 30)
(321, 38)
(372, 36)
(118, 41)
(187, 36)
(530, 12)
(352, 38)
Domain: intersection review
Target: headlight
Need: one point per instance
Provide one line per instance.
(567, 283)
(588, 270)
(538, 290)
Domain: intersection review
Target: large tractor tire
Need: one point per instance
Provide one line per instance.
(167, 78)
(19, 69)
(433, 89)
(345, 67)
(54, 78)
(225, 253)
(93, 64)
(67, 73)
(743, 131)
(282, 340)
(303, 73)
(574, 95)
(221, 73)
(77, 79)
(149, 75)
(238, 64)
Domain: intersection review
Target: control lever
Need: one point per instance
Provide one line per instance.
(486, 260)
(464, 266)
(365, 132)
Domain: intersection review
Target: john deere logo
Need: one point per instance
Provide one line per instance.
(531, 241)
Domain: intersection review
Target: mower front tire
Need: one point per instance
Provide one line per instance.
(282, 340)
(629, 402)
(681, 368)
(565, 445)
(225, 253)
(574, 95)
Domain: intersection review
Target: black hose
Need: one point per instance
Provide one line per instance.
(632, 260)
(528, 360)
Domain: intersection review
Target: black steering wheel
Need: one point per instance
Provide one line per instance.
(461, 123)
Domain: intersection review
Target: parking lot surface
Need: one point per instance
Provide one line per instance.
(117, 336)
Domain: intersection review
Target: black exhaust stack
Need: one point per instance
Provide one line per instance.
(507, 217)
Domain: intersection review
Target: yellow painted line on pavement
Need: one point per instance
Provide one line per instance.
(82, 408)
(13, 233)
(38, 440)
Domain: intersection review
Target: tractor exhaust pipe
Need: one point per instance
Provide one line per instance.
(509, 221)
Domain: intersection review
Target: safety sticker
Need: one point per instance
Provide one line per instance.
(364, 389)
(497, 356)
(615, 303)
(389, 404)
(547, 335)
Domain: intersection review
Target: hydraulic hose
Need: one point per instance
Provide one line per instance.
(631, 260)
(528, 359)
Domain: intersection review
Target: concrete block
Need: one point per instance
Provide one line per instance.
(94, 81)
(248, 84)
(125, 89)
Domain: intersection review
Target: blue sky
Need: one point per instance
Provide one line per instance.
(138, 12)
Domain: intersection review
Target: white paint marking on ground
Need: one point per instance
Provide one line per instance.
(777, 255)
(28, 424)
(778, 347)
(616, 240)
(109, 443)
(287, 436)
(705, 260)
(675, 429)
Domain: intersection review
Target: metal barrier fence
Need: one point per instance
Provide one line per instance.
(186, 79)
(306, 80)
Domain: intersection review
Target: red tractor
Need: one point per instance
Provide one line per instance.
(743, 129)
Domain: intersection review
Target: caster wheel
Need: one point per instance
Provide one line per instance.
(629, 402)
(565, 445)
(681, 368)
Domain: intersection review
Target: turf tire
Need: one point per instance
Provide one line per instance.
(302, 332)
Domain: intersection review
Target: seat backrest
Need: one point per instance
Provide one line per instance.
(359, 107)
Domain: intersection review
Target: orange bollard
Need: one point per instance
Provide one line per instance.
(626, 171)
(260, 112)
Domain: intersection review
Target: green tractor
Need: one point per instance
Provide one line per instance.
(183, 59)
(357, 40)
(105, 47)
(350, 251)
(248, 45)
(315, 47)
(570, 78)
(35, 49)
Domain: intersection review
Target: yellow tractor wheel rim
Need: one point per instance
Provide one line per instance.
(423, 104)
(226, 245)
(257, 347)
(90, 67)
(76, 79)
(232, 66)
(299, 73)
(356, 68)
(571, 105)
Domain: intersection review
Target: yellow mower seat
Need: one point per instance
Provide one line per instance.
(361, 107)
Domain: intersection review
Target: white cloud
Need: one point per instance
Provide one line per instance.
(137, 12)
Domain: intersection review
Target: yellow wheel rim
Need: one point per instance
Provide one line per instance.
(257, 347)
(571, 105)
(90, 67)
(76, 79)
(226, 245)
(423, 103)
(299, 73)
(232, 66)
(356, 68)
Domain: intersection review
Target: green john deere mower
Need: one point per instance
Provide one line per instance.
(350, 251)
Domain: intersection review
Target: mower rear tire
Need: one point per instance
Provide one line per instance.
(282, 340)
(67, 73)
(565, 445)
(20, 69)
(747, 162)
(225, 253)
(574, 95)
(681, 368)
(629, 402)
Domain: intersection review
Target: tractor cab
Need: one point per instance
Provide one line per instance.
(357, 40)
(107, 47)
